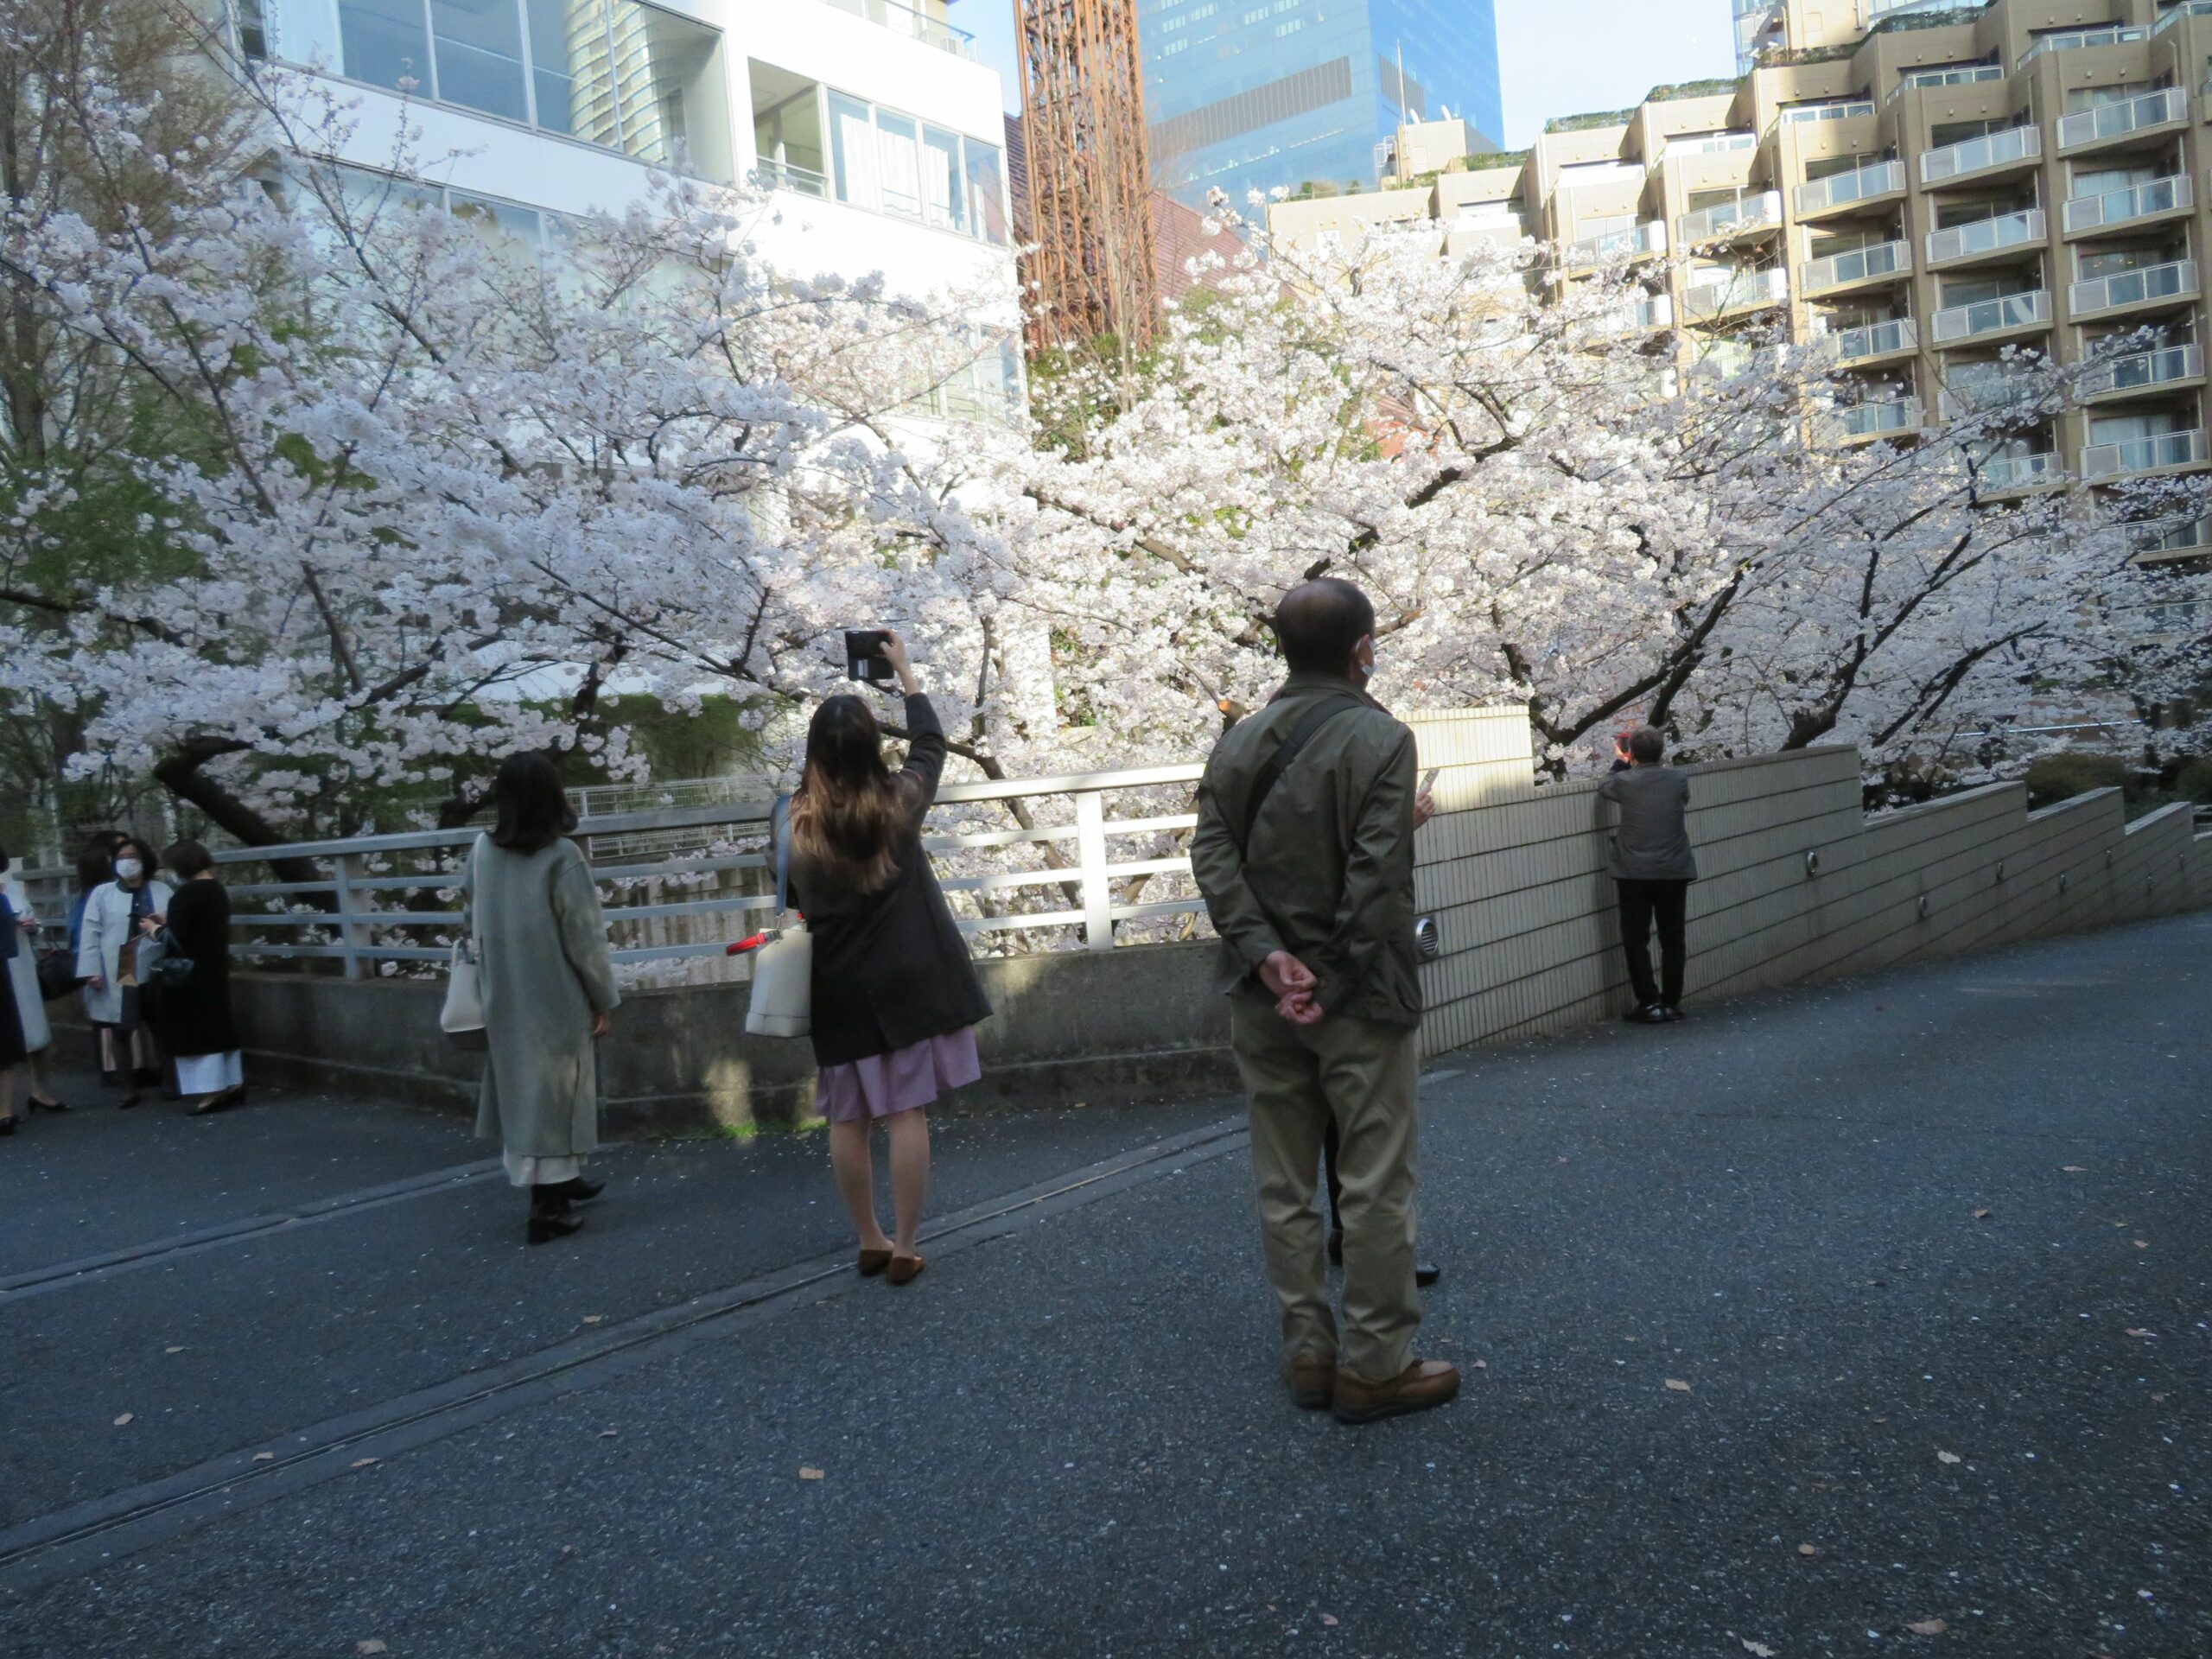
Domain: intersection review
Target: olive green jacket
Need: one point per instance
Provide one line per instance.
(1328, 876)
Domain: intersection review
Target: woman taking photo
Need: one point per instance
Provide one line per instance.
(895, 996)
(548, 986)
(194, 1019)
(107, 951)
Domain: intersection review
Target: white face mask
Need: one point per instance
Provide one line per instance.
(128, 869)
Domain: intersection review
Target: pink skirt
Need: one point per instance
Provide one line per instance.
(884, 1084)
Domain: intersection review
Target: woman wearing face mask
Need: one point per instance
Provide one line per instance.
(95, 869)
(107, 953)
(18, 949)
(194, 1018)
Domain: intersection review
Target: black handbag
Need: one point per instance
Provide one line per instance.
(167, 970)
(57, 973)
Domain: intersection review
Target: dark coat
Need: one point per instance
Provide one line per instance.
(1652, 841)
(891, 969)
(194, 1018)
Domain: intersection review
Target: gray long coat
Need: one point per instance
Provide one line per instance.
(545, 971)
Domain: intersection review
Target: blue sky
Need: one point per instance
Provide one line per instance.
(1560, 57)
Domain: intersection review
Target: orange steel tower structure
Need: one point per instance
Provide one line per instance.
(1090, 181)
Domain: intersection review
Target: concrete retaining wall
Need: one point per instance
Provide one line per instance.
(1797, 884)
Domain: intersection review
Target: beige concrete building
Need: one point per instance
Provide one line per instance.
(1924, 185)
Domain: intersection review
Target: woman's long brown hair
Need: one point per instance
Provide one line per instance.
(850, 810)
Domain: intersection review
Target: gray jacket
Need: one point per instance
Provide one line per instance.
(1651, 842)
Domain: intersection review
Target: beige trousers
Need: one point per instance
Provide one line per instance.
(1364, 1076)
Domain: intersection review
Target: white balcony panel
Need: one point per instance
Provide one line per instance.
(2173, 281)
(1881, 419)
(1860, 266)
(2119, 206)
(1735, 218)
(2110, 121)
(1636, 243)
(2018, 472)
(1995, 316)
(1987, 236)
(1838, 189)
(1842, 109)
(1982, 394)
(2173, 15)
(2005, 149)
(2074, 40)
(2144, 455)
(1745, 290)
(2143, 371)
(1876, 340)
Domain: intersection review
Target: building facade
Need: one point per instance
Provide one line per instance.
(1245, 95)
(871, 123)
(1927, 195)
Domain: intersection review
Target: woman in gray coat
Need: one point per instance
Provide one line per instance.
(548, 992)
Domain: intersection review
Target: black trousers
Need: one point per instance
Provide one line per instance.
(1642, 903)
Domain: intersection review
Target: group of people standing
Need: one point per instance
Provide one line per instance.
(178, 1034)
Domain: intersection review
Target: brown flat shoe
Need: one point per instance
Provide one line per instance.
(1313, 1382)
(904, 1269)
(872, 1262)
(1422, 1385)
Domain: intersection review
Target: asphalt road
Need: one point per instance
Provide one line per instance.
(1801, 1326)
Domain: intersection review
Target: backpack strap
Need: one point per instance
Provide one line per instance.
(1309, 726)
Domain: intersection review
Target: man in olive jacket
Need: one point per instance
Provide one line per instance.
(1304, 852)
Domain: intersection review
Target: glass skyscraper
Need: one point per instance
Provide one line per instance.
(1244, 95)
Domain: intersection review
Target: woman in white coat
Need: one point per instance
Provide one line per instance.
(107, 948)
(23, 983)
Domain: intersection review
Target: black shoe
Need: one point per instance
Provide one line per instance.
(7, 1126)
(213, 1103)
(1427, 1274)
(38, 1105)
(1671, 1014)
(575, 1190)
(1649, 1014)
(127, 1101)
(551, 1221)
(1336, 1248)
(111, 1079)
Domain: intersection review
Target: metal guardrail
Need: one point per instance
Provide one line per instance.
(677, 882)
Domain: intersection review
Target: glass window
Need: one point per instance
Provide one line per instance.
(501, 223)
(383, 42)
(571, 68)
(985, 192)
(665, 75)
(479, 55)
(943, 191)
(305, 32)
(852, 151)
(897, 149)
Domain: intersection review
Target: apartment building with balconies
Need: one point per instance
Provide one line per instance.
(877, 133)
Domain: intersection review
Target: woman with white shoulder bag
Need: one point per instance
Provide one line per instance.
(895, 996)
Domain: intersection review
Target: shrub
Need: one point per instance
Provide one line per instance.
(2060, 777)
(2194, 781)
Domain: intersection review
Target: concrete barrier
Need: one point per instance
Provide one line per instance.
(1798, 884)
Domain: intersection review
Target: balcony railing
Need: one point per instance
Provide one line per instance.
(1841, 111)
(1737, 218)
(1642, 316)
(1860, 266)
(2006, 149)
(1987, 236)
(1634, 243)
(2119, 206)
(1961, 75)
(1984, 393)
(2175, 280)
(1875, 419)
(1876, 340)
(2176, 540)
(1996, 316)
(2074, 40)
(1882, 179)
(908, 21)
(800, 180)
(1744, 290)
(2116, 120)
(2018, 472)
(2143, 371)
(2149, 454)
(2173, 15)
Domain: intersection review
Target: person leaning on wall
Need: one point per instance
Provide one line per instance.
(1652, 865)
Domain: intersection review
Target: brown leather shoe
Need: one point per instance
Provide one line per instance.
(872, 1262)
(1422, 1385)
(904, 1269)
(1313, 1382)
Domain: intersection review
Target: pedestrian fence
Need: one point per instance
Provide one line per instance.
(1083, 862)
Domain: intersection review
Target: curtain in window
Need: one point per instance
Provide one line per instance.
(941, 180)
(898, 152)
(852, 151)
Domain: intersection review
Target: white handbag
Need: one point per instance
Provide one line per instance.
(782, 1004)
(462, 1018)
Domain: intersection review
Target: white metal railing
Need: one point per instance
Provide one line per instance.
(2139, 201)
(912, 22)
(1878, 10)
(2144, 370)
(1636, 242)
(1995, 316)
(1860, 266)
(1987, 236)
(2149, 454)
(1970, 155)
(1981, 394)
(1742, 290)
(1107, 850)
(1841, 110)
(2177, 538)
(1882, 179)
(2176, 279)
(1876, 340)
(2018, 472)
(2174, 14)
(1649, 314)
(1735, 218)
(800, 180)
(1876, 419)
(2119, 118)
(1963, 74)
(1712, 144)
(2074, 40)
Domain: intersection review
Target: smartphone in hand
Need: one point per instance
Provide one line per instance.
(864, 657)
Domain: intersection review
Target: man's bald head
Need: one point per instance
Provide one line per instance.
(1320, 624)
